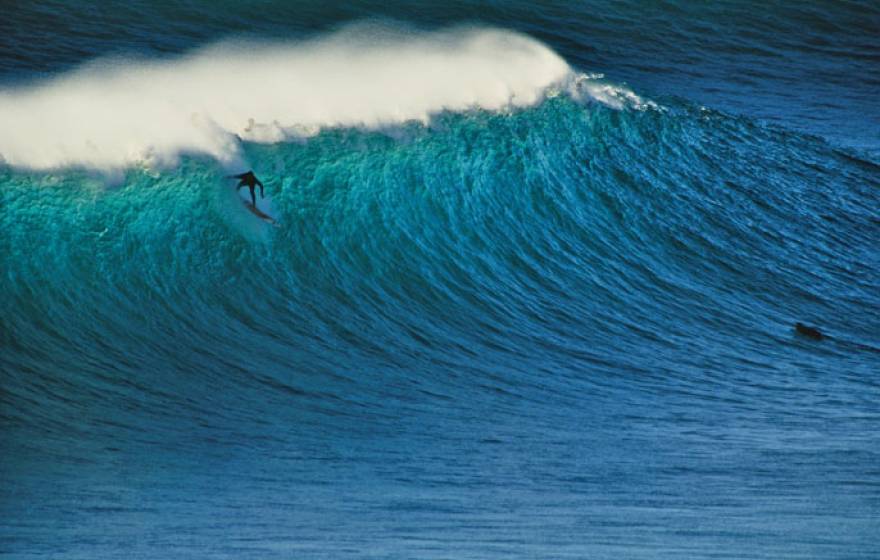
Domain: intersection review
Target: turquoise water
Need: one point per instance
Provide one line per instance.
(532, 292)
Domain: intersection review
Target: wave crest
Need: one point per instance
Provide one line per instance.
(114, 113)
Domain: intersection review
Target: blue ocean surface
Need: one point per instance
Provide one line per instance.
(531, 291)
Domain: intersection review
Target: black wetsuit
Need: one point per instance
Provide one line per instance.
(250, 181)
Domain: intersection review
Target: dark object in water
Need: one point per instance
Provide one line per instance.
(811, 332)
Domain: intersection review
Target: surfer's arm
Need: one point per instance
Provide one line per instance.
(261, 188)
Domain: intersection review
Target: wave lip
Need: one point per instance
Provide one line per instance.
(115, 113)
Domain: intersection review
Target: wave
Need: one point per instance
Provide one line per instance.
(117, 112)
(563, 237)
(580, 230)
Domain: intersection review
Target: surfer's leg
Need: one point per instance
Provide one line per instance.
(253, 197)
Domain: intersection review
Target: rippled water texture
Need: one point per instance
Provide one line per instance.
(532, 290)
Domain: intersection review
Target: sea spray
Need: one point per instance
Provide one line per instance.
(117, 112)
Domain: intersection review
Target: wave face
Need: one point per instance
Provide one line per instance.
(509, 308)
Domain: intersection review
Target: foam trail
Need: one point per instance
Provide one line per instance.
(116, 113)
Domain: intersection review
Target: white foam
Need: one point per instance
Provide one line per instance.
(116, 113)
(593, 86)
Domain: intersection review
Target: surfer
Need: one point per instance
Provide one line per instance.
(250, 181)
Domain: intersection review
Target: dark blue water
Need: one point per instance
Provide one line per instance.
(531, 292)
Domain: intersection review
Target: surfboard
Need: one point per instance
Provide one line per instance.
(259, 213)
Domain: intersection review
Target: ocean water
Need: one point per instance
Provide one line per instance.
(531, 292)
